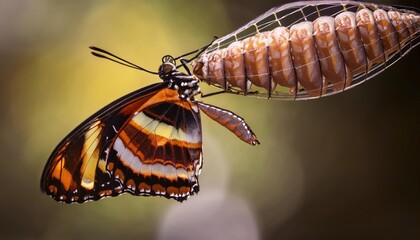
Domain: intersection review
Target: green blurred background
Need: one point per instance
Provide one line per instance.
(341, 167)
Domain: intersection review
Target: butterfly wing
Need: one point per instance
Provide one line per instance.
(159, 150)
(77, 169)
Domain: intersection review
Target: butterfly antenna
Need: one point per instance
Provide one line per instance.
(197, 52)
(99, 52)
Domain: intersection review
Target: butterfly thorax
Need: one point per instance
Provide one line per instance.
(186, 85)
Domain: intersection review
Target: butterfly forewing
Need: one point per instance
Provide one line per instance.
(73, 171)
(152, 123)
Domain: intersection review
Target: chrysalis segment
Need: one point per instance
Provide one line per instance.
(386, 32)
(370, 37)
(305, 58)
(332, 63)
(234, 65)
(256, 61)
(280, 59)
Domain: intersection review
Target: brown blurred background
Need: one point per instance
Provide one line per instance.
(341, 167)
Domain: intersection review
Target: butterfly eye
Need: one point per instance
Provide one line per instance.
(166, 69)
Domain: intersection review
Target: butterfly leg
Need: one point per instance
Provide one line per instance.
(228, 90)
(212, 94)
(184, 64)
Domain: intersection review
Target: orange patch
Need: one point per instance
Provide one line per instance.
(158, 188)
(172, 190)
(163, 95)
(184, 190)
(149, 161)
(143, 186)
(146, 172)
(53, 189)
(130, 108)
(172, 178)
(180, 165)
(131, 184)
(180, 143)
(62, 174)
(158, 174)
(119, 174)
(110, 166)
(153, 161)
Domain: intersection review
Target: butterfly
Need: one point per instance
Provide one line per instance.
(147, 143)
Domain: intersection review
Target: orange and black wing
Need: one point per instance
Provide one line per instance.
(89, 164)
(159, 150)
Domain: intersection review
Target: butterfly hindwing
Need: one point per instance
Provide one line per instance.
(159, 150)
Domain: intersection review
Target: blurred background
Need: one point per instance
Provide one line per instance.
(341, 167)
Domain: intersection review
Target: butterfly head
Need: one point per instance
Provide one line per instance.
(167, 68)
(186, 84)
